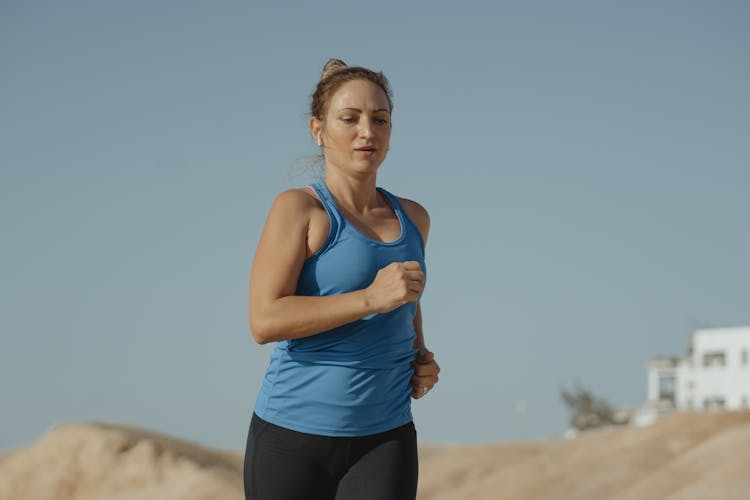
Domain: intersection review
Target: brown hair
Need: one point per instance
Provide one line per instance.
(335, 73)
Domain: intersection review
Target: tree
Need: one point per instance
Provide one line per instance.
(589, 412)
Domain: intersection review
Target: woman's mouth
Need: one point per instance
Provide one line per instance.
(366, 151)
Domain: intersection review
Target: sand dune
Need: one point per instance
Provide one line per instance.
(685, 456)
(95, 461)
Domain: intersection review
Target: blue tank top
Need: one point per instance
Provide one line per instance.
(355, 379)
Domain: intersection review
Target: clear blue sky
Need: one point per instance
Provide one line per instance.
(586, 166)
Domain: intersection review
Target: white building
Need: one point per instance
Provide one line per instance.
(714, 374)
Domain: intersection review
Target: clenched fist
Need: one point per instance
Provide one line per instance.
(426, 372)
(395, 285)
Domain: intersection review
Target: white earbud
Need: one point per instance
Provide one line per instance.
(320, 143)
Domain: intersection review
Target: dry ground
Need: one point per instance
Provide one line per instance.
(684, 456)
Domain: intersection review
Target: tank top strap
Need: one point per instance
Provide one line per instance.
(327, 199)
(324, 196)
(394, 203)
(335, 218)
(399, 209)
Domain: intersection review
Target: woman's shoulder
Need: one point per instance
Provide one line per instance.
(301, 198)
(296, 202)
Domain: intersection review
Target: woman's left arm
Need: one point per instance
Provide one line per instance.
(426, 370)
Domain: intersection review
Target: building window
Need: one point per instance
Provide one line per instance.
(743, 359)
(714, 358)
(744, 402)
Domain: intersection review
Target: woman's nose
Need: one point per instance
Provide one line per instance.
(364, 129)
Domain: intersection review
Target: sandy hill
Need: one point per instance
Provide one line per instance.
(96, 461)
(684, 456)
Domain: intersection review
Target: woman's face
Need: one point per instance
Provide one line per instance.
(357, 127)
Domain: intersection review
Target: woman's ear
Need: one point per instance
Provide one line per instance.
(316, 127)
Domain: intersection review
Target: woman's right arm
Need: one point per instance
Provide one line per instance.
(275, 313)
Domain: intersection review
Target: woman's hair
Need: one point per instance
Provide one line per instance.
(336, 73)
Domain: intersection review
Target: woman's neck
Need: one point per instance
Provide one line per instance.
(357, 193)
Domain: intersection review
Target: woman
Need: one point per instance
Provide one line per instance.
(336, 282)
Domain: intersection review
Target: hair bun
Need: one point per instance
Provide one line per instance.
(332, 66)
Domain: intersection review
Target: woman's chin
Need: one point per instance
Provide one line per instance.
(371, 162)
(365, 165)
(362, 166)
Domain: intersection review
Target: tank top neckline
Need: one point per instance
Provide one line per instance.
(390, 200)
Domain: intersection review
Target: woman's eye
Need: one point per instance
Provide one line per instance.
(348, 119)
(382, 121)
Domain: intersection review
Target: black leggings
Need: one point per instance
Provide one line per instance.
(282, 464)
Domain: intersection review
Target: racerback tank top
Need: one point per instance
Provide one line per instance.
(355, 379)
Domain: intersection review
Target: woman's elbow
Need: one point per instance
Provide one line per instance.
(259, 330)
